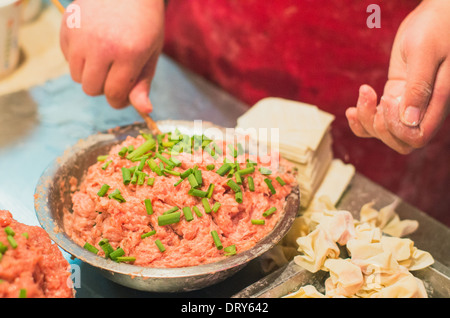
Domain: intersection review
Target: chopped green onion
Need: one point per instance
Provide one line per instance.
(269, 211)
(126, 176)
(91, 248)
(3, 248)
(150, 181)
(154, 167)
(170, 218)
(102, 158)
(148, 206)
(197, 193)
(210, 166)
(143, 236)
(178, 182)
(206, 205)
(269, 184)
(141, 177)
(280, 181)
(210, 190)
(142, 164)
(103, 190)
(186, 173)
(251, 184)
(238, 178)
(224, 169)
(9, 231)
(117, 253)
(198, 176)
(247, 170)
(11, 241)
(216, 207)
(233, 150)
(160, 246)
(230, 250)
(265, 171)
(23, 293)
(25, 235)
(106, 247)
(233, 186)
(238, 196)
(258, 222)
(175, 161)
(142, 149)
(197, 211)
(216, 240)
(116, 195)
(240, 149)
(125, 259)
(123, 152)
(193, 181)
(130, 148)
(163, 159)
(187, 213)
(171, 210)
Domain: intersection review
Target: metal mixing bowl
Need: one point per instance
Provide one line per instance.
(53, 199)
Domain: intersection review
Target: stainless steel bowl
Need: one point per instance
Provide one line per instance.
(53, 199)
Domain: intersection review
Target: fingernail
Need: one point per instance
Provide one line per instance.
(411, 116)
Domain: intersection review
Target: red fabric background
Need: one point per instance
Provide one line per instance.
(318, 52)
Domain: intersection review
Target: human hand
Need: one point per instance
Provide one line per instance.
(115, 50)
(416, 97)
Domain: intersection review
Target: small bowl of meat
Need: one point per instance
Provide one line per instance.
(173, 212)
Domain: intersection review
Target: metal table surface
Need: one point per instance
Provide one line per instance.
(38, 124)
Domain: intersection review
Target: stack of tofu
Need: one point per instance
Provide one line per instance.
(304, 138)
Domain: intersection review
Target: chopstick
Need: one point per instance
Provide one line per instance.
(151, 124)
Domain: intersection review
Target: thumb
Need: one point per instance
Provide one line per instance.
(139, 94)
(419, 87)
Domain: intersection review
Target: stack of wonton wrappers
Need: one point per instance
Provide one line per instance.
(304, 138)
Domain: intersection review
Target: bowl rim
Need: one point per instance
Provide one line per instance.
(57, 234)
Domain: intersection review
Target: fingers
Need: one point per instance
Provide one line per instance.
(139, 95)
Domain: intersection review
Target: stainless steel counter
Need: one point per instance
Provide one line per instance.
(37, 125)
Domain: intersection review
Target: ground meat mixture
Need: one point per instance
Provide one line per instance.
(31, 266)
(152, 213)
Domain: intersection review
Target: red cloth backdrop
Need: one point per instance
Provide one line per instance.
(317, 52)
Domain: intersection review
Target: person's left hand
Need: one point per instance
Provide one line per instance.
(416, 97)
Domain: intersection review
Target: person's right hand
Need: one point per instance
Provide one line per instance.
(116, 48)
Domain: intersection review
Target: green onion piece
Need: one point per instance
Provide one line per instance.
(163, 159)
(178, 182)
(143, 236)
(186, 173)
(168, 144)
(193, 181)
(238, 196)
(216, 207)
(197, 211)
(238, 178)
(247, 170)
(206, 205)
(141, 177)
(251, 184)
(134, 177)
(160, 246)
(150, 181)
(258, 222)
(3, 248)
(216, 240)
(280, 181)
(171, 210)
(210, 190)
(230, 250)
(269, 184)
(241, 150)
(233, 150)
(23, 293)
(224, 169)
(269, 211)
(106, 247)
(116, 195)
(233, 186)
(265, 171)
(142, 149)
(125, 259)
(9, 231)
(11, 241)
(25, 235)
(123, 151)
(102, 158)
(103, 190)
(132, 169)
(173, 173)
(170, 218)
(117, 253)
(142, 164)
(175, 161)
(148, 206)
(126, 176)
(154, 167)
(91, 248)
(197, 193)
(188, 213)
(130, 148)
(198, 176)
(210, 166)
